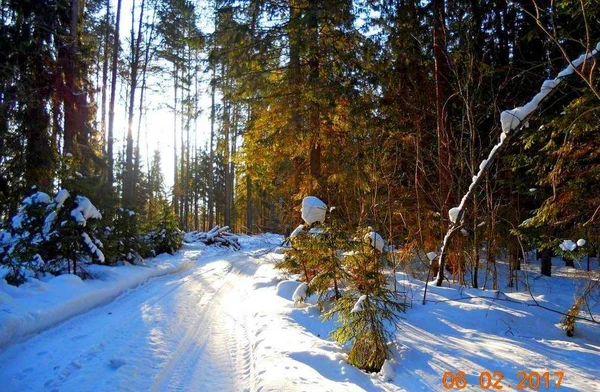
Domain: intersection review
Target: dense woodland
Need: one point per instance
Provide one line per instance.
(381, 108)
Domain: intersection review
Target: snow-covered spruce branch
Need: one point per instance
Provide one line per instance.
(512, 122)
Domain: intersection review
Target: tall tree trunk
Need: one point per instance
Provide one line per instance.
(76, 129)
(314, 109)
(113, 93)
(105, 74)
(443, 136)
(227, 157)
(175, 174)
(295, 77)
(182, 127)
(441, 96)
(249, 206)
(211, 159)
(234, 130)
(546, 262)
(129, 180)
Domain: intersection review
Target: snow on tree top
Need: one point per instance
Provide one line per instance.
(313, 210)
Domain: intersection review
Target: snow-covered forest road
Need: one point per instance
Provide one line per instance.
(181, 332)
(217, 320)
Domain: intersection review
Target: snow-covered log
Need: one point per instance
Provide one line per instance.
(220, 236)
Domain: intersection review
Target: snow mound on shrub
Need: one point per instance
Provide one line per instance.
(313, 210)
(375, 240)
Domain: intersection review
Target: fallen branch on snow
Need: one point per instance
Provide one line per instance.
(221, 236)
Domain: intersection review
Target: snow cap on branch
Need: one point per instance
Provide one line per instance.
(568, 245)
(297, 231)
(61, 196)
(511, 119)
(84, 210)
(453, 214)
(358, 306)
(375, 240)
(431, 256)
(313, 210)
(300, 293)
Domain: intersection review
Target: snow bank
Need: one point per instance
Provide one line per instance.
(38, 305)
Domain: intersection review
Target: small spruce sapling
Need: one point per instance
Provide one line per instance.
(72, 231)
(568, 322)
(367, 310)
(166, 237)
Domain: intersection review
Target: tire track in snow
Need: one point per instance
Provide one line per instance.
(76, 345)
(173, 333)
(215, 353)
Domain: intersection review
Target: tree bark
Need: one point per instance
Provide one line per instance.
(211, 158)
(441, 97)
(314, 108)
(546, 262)
(113, 93)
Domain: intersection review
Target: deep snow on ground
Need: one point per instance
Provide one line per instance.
(213, 320)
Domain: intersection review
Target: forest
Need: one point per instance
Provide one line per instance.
(381, 108)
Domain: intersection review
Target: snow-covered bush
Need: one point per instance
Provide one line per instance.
(22, 240)
(313, 210)
(51, 235)
(166, 237)
(122, 240)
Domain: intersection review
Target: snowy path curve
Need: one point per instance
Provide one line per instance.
(182, 332)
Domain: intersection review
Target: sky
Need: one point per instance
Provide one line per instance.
(157, 124)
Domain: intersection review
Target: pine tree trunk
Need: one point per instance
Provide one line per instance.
(105, 75)
(443, 137)
(314, 108)
(211, 159)
(175, 175)
(249, 207)
(226, 159)
(546, 262)
(441, 97)
(129, 179)
(113, 93)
